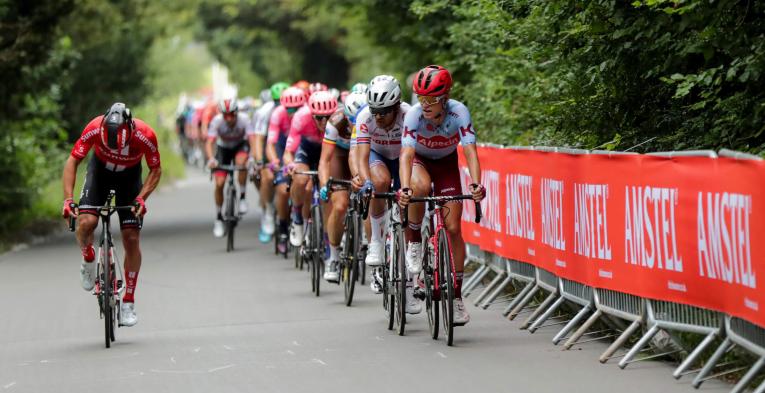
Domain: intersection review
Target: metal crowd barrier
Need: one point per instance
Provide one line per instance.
(473, 254)
(497, 266)
(546, 281)
(525, 276)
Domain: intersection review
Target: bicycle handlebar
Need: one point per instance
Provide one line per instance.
(110, 210)
(441, 200)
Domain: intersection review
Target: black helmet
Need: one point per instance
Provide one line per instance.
(117, 126)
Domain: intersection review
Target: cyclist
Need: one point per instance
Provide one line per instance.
(302, 153)
(353, 105)
(432, 130)
(378, 140)
(291, 99)
(270, 99)
(334, 162)
(232, 133)
(119, 142)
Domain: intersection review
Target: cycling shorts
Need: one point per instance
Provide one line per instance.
(444, 173)
(392, 165)
(309, 154)
(99, 181)
(225, 156)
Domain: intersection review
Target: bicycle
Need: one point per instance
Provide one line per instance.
(109, 280)
(438, 270)
(351, 247)
(281, 237)
(231, 215)
(312, 247)
(394, 272)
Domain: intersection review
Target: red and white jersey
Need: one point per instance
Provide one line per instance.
(303, 126)
(386, 142)
(432, 141)
(142, 143)
(227, 136)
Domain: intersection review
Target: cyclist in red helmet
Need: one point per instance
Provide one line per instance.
(120, 142)
(432, 130)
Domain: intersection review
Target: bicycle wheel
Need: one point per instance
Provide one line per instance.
(399, 251)
(106, 296)
(388, 299)
(229, 218)
(446, 285)
(429, 277)
(362, 250)
(318, 245)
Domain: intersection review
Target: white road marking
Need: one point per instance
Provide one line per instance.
(8, 386)
(319, 361)
(172, 359)
(290, 352)
(228, 348)
(212, 370)
(197, 349)
(295, 343)
(441, 354)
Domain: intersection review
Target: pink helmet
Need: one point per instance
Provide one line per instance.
(322, 103)
(292, 97)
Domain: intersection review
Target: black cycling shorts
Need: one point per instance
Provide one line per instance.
(309, 153)
(99, 181)
(225, 156)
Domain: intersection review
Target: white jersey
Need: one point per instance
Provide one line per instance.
(261, 118)
(230, 137)
(386, 143)
(434, 142)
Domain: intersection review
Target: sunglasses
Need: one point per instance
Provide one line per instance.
(292, 110)
(321, 117)
(429, 100)
(383, 111)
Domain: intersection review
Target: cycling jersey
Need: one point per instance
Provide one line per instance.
(433, 142)
(338, 131)
(261, 118)
(279, 124)
(142, 143)
(387, 143)
(303, 128)
(227, 136)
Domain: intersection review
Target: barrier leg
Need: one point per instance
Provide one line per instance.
(547, 314)
(520, 297)
(747, 378)
(639, 345)
(572, 323)
(710, 364)
(688, 361)
(761, 388)
(474, 281)
(619, 341)
(490, 299)
(469, 280)
(582, 329)
(543, 306)
(488, 288)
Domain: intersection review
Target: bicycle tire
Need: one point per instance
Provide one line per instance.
(362, 253)
(400, 265)
(446, 284)
(106, 291)
(318, 245)
(388, 298)
(229, 218)
(431, 295)
(350, 263)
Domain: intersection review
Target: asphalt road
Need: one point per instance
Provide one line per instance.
(211, 321)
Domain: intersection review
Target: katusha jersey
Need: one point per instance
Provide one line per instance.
(338, 131)
(230, 137)
(434, 142)
(143, 143)
(387, 143)
(303, 127)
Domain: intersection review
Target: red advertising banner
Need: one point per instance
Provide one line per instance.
(681, 229)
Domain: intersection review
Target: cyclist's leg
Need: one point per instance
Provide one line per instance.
(420, 184)
(241, 160)
(380, 170)
(339, 201)
(94, 192)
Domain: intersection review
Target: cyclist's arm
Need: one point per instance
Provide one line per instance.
(209, 148)
(255, 147)
(151, 182)
(474, 166)
(352, 162)
(70, 175)
(258, 152)
(405, 169)
(362, 152)
(325, 161)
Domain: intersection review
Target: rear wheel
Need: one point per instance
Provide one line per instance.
(400, 252)
(317, 245)
(431, 295)
(388, 298)
(349, 258)
(446, 285)
(229, 219)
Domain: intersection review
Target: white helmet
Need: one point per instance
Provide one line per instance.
(359, 88)
(353, 104)
(384, 91)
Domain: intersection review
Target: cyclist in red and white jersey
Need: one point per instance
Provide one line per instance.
(432, 130)
(231, 132)
(120, 142)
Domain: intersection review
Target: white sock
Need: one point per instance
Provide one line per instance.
(269, 209)
(377, 227)
(332, 253)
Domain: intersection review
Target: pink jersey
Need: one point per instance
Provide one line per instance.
(279, 124)
(303, 126)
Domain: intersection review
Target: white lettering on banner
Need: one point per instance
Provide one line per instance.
(591, 221)
(552, 213)
(650, 238)
(490, 205)
(724, 247)
(518, 215)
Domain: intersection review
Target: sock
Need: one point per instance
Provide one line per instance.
(284, 225)
(242, 195)
(132, 280)
(218, 212)
(332, 253)
(89, 253)
(458, 286)
(414, 234)
(377, 227)
(269, 209)
(297, 215)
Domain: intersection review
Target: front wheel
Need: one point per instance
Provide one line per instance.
(446, 285)
(400, 281)
(429, 277)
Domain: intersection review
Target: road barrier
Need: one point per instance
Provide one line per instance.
(665, 241)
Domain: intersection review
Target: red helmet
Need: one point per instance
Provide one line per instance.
(302, 84)
(432, 80)
(117, 127)
(322, 103)
(317, 86)
(292, 97)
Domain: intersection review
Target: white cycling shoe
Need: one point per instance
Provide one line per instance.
(127, 314)
(243, 206)
(461, 315)
(414, 257)
(413, 305)
(375, 254)
(218, 230)
(88, 275)
(331, 272)
(267, 224)
(296, 235)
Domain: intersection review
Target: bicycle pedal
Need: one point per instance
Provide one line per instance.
(119, 284)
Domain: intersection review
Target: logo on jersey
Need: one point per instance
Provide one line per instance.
(467, 130)
(408, 133)
(438, 141)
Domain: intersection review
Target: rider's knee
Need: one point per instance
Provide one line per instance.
(339, 202)
(87, 222)
(381, 183)
(130, 237)
(419, 187)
